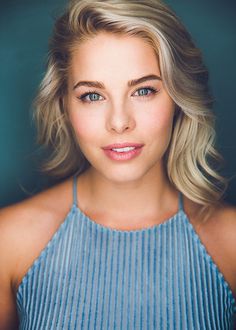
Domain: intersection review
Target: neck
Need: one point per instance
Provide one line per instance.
(147, 200)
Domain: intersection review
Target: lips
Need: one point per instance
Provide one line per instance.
(122, 145)
(127, 152)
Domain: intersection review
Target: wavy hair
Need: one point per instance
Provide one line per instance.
(191, 160)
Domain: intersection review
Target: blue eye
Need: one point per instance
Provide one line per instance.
(93, 97)
(146, 91)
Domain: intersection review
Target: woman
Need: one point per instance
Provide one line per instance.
(136, 235)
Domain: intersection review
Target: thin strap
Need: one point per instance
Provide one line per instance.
(75, 190)
(181, 205)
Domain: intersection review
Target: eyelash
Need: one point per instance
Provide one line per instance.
(83, 96)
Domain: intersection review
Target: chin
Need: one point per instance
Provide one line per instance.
(124, 175)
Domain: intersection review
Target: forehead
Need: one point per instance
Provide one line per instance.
(117, 54)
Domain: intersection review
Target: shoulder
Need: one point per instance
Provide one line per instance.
(223, 224)
(26, 227)
(226, 218)
(218, 234)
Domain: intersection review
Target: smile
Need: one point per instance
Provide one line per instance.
(123, 154)
(123, 149)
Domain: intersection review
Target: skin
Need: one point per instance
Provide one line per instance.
(120, 113)
(141, 193)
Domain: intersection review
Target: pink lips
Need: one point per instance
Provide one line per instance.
(122, 145)
(122, 156)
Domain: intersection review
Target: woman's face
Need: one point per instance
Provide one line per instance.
(107, 106)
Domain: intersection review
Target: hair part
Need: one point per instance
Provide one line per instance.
(191, 159)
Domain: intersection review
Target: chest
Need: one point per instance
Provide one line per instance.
(150, 279)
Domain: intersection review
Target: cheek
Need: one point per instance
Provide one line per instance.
(85, 127)
(160, 121)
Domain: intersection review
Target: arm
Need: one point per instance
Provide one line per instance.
(231, 245)
(8, 313)
(227, 245)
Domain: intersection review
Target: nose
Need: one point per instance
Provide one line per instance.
(120, 119)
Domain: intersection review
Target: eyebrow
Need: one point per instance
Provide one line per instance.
(131, 83)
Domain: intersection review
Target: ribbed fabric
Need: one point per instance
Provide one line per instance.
(93, 277)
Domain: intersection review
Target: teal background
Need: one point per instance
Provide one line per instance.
(25, 27)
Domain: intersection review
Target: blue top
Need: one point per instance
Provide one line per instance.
(94, 277)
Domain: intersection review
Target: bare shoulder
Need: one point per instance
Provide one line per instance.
(227, 230)
(218, 235)
(26, 228)
(224, 222)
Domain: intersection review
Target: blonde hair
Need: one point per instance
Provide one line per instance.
(191, 159)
